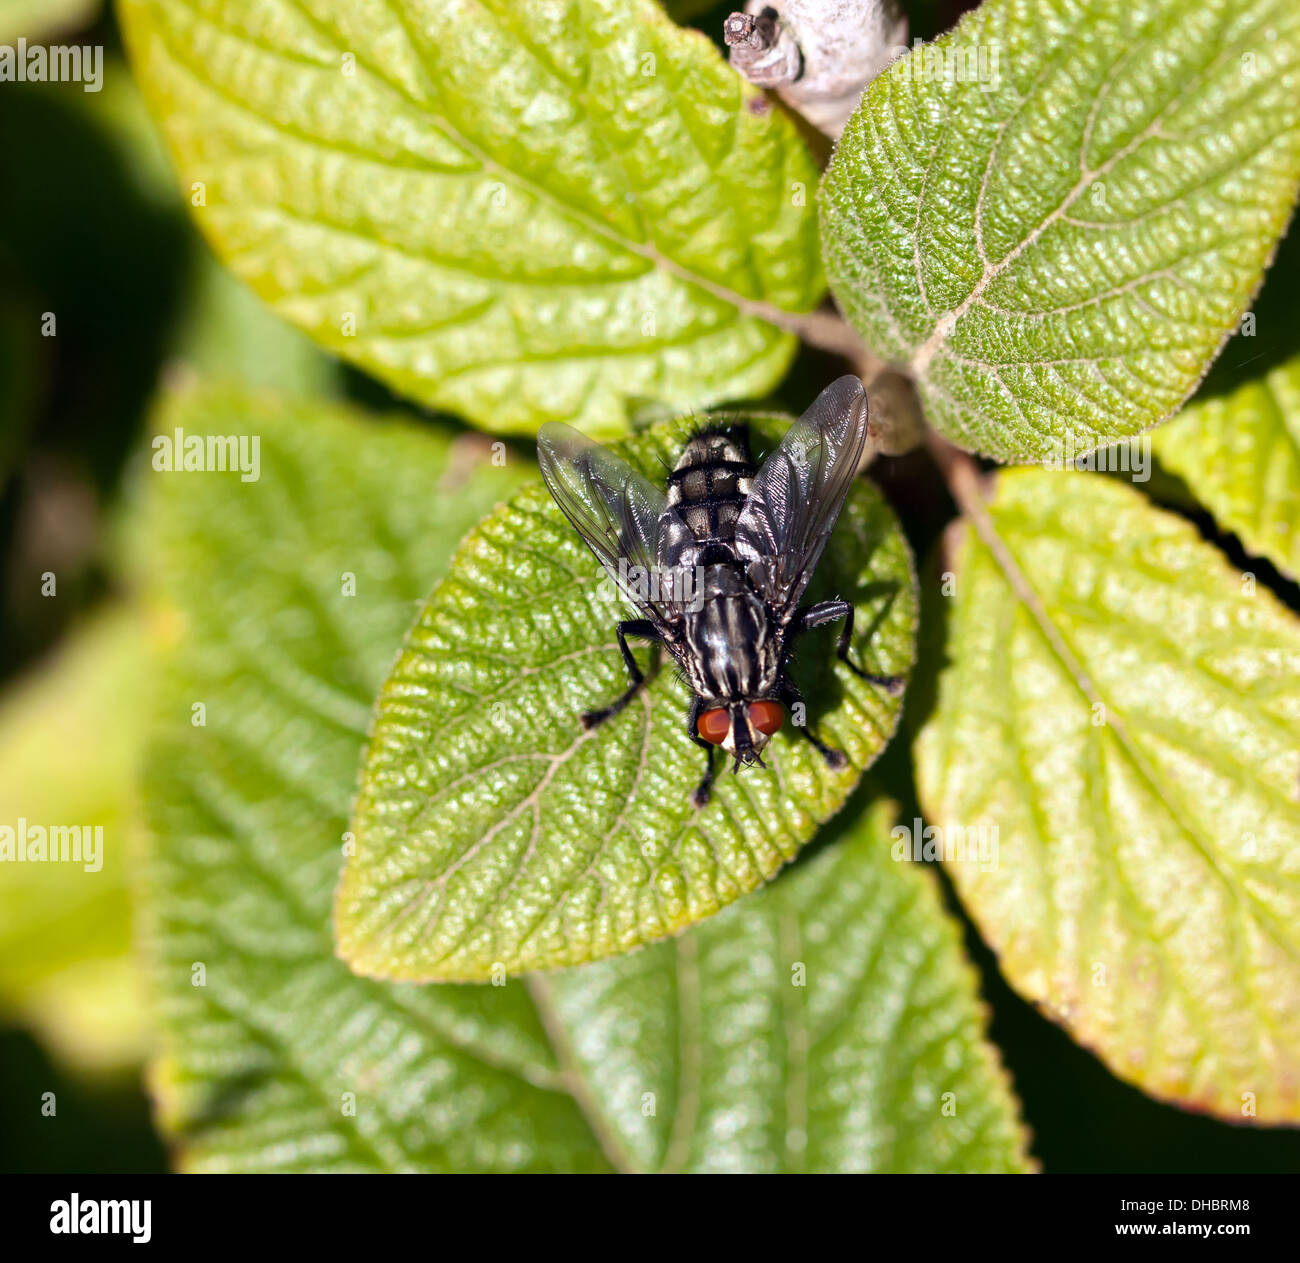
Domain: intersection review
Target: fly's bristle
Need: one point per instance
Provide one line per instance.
(714, 444)
(723, 427)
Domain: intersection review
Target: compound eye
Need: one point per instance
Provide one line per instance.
(767, 717)
(714, 725)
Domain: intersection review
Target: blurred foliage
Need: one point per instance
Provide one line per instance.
(102, 241)
(43, 19)
(20, 349)
(69, 739)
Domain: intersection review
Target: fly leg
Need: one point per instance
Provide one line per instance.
(827, 612)
(700, 796)
(790, 697)
(644, 628)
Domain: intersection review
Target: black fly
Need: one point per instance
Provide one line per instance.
(718, 564)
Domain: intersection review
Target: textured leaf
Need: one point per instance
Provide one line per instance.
(70, 736)
(494, 834)
(1058, 238)
(1240, 454)
(1136, 744)
(531, 211)
(247, 814)
(817, 1026)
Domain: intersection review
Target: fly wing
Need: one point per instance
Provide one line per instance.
(620, 515)
(797, 495)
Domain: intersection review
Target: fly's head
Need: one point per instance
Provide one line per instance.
(742, 729)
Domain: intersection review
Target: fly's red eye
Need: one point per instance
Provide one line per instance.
(714, 726)
(767, 717)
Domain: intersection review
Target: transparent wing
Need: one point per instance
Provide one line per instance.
(798, 493)
(621, 515)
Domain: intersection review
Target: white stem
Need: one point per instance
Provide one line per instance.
(818, 54)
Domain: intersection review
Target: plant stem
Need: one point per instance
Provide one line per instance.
(964, 482)
(824, 329)
(960, 474)
(818, 54)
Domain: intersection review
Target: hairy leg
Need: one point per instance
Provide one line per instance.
(790, 697)
(700, 795)
(828, 612)
(645, 629)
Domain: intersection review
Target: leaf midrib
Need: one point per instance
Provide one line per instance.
(923, 355)
(1115, 879)
(1024, 591)
(575, 1082)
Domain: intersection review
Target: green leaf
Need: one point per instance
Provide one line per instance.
(494, 834)
(1121, 707)
(1057, 234)
(70, 737)
(1240, 454)
(247, 815)
(828, 1023)
(528, 212)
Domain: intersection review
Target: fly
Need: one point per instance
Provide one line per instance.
(718, 563)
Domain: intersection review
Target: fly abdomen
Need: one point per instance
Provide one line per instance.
(729, 648)
(710, 482)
